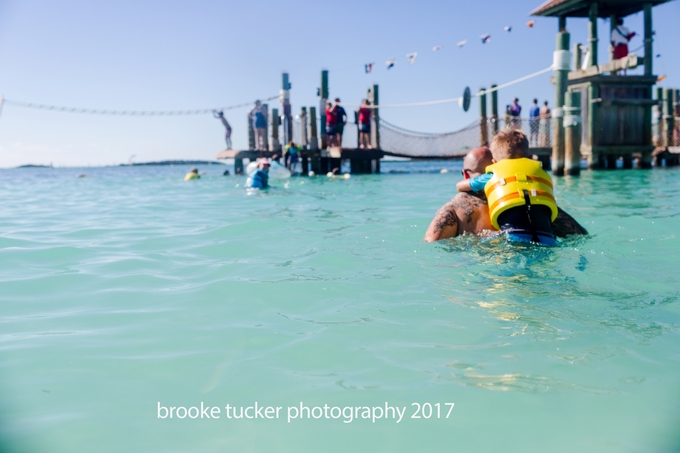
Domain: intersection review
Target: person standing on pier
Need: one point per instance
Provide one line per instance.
(534, 122)
(331, 123)
(258, 116)
(546, 128)
(227, 127)
(341, 117)
(621, 36)
(364, 125)
(515, 111)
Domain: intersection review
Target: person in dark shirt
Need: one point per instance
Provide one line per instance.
(341, 120)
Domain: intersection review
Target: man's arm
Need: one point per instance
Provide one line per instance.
(444, 225)
(565, 224)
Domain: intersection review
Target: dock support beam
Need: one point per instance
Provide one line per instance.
(286, 109)
(323, 95)
(561, 65)
(649, 53)
(374, 99)
(483, 126)
(313, 141)
(572, 133)
(275, 145)
(494, 110)
(592, 32)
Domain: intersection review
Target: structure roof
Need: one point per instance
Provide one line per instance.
(580, 8)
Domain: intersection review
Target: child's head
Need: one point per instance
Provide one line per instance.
(510, 144)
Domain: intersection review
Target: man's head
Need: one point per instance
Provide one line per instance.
(258, 104)
(545, 103)
(515, 101)
(535, 101)
(619, 21)
(263, 164)
(476, 161)
(509, 144)
(337, 100)
(194, 170)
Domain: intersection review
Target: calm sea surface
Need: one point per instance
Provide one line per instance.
(131, 288)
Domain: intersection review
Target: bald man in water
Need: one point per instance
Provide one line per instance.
(468, 212)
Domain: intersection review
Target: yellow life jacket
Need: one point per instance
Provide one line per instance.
(191, 175)
(511, 177)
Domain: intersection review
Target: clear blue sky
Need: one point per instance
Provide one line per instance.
(182, 55)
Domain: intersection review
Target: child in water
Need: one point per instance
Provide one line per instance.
(519, 192)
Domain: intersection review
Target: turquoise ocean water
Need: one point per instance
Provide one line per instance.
(131, 288)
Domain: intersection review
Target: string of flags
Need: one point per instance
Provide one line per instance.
(411, 57)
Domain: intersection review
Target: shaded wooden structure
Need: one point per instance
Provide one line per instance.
(615, 109)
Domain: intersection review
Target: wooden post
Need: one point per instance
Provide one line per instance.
(374, 99)
(612, 27)
(561, 64)
(304, 140)
(649, 53)
(578, 56)
(592, 32)
(323, 95)
(265, 107)
(275, 145)
(238, 166)
(483, 126)
(494, 109)
(251, 134)
(286, 109)
(668, 116)
(313, 141)
(572, 133)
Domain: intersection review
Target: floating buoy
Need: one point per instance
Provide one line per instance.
(311, 174)
(443, 170)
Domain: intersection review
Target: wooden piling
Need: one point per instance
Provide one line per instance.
(649, 53)
(562, 63)
(494, 109)
(592, 32)
(275, 145)
(668, 117)
(572, 133)
(483, 124)
(286, 111)
(374, 99)
(323, 95)
(578, 56)
(313, 142)
(251, 133)
(265, 107)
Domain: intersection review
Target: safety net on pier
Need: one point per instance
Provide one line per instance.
(401, 142)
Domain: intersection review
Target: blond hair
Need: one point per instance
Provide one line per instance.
(510, 144)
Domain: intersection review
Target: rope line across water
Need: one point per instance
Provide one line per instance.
(56, 108)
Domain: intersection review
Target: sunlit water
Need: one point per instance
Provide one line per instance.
(131, 287)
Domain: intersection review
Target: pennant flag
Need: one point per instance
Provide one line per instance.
(412, 57)
(508, 28)
(485, 38)
(462, 43)
(531, 23)
(390, 63)
(368, 67)
(436, 48)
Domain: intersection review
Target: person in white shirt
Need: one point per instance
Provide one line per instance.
(621, 36)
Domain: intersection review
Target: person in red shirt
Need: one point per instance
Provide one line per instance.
(331, 121)
(364, 125)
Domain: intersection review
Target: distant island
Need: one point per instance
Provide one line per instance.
(174, 162)
(34, 166)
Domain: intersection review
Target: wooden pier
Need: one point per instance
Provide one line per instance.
(362, 161)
